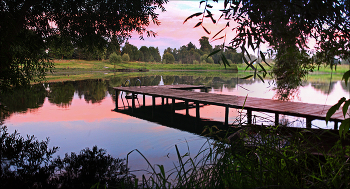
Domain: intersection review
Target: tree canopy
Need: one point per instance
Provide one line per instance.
(25, 26)
(287, 27)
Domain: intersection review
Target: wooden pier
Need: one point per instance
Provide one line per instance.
(181, 92)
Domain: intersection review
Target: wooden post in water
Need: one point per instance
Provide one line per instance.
(153, 105)
(226, 115)
(186, 104)
(132, 102)
(197, 112)
(308, 122)
(172, 109)
(249, 116)
(144, 100)
(335, 125)
(277, 119)
(116, 99)
(162, 101)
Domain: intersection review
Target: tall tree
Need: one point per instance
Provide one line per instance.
(205, 45)
(286, 26)
(113, 46)
(131, 50)
(146, 53)
(155, 53)
(60, 47)
(24, 26)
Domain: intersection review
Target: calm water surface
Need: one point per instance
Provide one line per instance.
(76, 115)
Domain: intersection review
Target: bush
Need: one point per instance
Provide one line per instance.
(114, 58)
(28, 163)
(204, 59)
(125, 57)
(168, 58)
(210, 60)
(92, 167)
(195, 62)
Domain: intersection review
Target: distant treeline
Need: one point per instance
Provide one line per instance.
(100, 49)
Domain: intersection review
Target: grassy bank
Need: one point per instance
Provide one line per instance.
(64, 65)
(94, 65)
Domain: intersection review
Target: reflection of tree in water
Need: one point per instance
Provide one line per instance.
(61, 94)
(21, 99)
(94, 91)
(148, 81)
(325, 88)
(286, 90)
(168, 80)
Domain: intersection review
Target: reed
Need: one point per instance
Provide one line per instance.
(259, 157)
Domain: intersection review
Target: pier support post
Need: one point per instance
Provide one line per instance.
(226, 115)
(277, 119)
(197, 112)
(144, 100)
(186, 104)
(172, 106)
(172, 113)
(308, 122)
(335, 125)
(132, 102)
(116, 100)
(153, 105)
(167, 101)
(162, 101)
(249, 116)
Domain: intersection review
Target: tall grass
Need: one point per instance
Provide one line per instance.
(259, 157)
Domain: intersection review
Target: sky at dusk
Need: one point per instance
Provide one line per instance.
(174, 33)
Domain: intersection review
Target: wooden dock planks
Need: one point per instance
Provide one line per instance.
(299, 109)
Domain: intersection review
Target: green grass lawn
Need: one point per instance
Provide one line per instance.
(82, 69)
(105, 65)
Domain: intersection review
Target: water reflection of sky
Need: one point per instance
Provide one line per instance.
(83, 124)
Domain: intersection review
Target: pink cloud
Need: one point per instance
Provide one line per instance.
(174, 33)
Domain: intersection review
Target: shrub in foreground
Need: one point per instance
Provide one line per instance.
(28, 163)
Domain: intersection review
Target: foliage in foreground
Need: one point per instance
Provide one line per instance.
(28, 163)
(258, 157)
(253, 157)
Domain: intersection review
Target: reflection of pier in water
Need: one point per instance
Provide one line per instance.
(179, 92)
(163, 116)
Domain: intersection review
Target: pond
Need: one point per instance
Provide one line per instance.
(78, 114)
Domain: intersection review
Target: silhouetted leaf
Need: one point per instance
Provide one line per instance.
(249, 64)
(346, 77)
(224, 60)
(261, 78)
(218, 33)
(225, 3)
(218, 38)
(198, 24)
(208, 5)
(333, 109)
(212, 19)
(262, 67)
(262, 56)
(244, 50)
(205, 29)
(193, 15)
(214, 53)
(344, 127)
(345, 107)
(249, 76)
